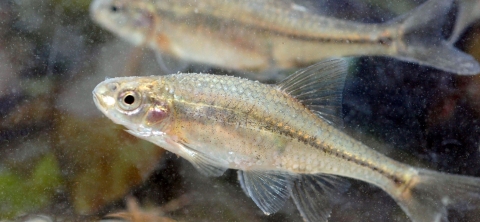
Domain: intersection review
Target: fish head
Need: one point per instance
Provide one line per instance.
(141, 104)
(133, 20)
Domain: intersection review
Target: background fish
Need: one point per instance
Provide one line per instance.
(259, 35)
(62, 158)
(283, 139)
(468, 13)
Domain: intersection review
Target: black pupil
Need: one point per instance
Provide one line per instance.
(129, 99)
(114, 8)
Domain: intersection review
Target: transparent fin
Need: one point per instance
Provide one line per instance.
(461, 23)
(314, 195)
(242, 182)
(203, 163)
(319, 87)
(169, 64)
(269, 190)
(428, 195)
(135, 133)
(468, 12)
(423, 43)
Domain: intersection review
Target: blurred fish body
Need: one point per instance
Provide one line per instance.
(258, 35)
(283, 139)
(468, 13)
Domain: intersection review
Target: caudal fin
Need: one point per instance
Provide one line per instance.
(422, 42)
(430, 193)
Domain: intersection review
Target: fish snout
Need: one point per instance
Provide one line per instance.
(97, 5)
(98, 102)
(104, 95)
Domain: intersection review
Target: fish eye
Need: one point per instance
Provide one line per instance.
(129, 100)
(114, 8)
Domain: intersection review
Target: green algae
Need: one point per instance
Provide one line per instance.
(26, 194)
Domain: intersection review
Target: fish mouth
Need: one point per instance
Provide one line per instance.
(98, 101)
(101, 103)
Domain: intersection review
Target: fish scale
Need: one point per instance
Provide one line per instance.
(264, 102)
(273, 107)
(284, 140)
(266, 35)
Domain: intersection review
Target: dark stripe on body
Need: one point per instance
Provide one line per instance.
(224, 115)
(217, 24)
(312, 141)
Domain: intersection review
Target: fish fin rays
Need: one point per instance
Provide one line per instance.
(203, 163)
(205, 166)
(269, 190)
(422, 41)
(428, 195)
(241, 180)
(319, 87)
(169, 64)
(314, 195)
(463, 19)
(466, 15)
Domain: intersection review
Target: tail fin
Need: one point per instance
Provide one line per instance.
(422, 41)
(429, 194)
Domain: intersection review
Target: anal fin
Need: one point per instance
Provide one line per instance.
(269, 190)
(313, 195)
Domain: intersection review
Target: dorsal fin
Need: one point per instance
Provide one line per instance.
(319, 87)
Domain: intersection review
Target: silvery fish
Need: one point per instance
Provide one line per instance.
(468, 13)
(258, 35)
(284, 139)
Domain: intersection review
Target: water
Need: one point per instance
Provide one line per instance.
(59, 157)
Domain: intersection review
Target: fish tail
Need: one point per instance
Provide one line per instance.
(428, 194)
(421, 40)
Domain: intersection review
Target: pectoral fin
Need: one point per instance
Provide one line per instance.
(269, 190)
(313, 195)
(203, 163)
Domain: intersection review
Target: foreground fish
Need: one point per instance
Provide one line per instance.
(282, 139)
(262, 34)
